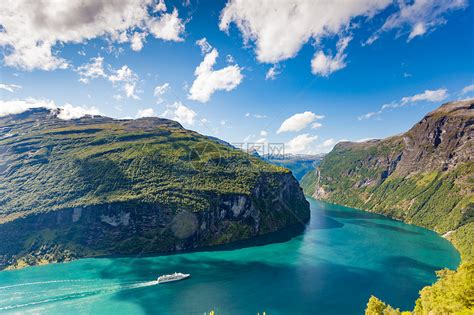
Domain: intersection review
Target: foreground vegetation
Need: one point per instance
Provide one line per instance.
(453, 293)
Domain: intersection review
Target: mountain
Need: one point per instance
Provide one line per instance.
(423, 176)
(98, 186)
(298, 164)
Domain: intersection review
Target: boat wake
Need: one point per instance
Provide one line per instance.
(74, 295)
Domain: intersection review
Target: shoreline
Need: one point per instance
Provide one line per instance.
(445, 235)
(280, 236)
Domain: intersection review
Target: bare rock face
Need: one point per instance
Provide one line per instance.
(442, 140)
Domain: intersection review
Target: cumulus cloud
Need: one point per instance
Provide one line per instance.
(148, 112)
(91, 70)
(300, 143)
(136, 41)
(168, 27)
(12, 88)
(209, 80)
(426, 96)
(159, 91)
(126, 79)
(467, 89)
(179, 112)
(323, 64)
(298, 121)
(278, 29)
(419, 17)
(33, 31)
(68, 111)
(65, 112)
(123, 78)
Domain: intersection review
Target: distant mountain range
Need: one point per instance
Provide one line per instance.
(299, 164)
(99, 186)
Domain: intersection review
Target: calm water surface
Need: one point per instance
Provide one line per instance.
(343, 257)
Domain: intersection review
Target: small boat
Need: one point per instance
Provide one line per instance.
(172, 277)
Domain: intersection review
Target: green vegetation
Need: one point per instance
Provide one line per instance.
(453, 293)
(420, 178)
(124, 182)
(53, 167)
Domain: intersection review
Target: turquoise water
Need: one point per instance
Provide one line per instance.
(343, 257)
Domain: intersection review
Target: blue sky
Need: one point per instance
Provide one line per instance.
(421, 58)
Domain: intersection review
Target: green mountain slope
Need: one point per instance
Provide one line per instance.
(98, 186)
(424, 176)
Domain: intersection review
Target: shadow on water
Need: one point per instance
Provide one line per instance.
(342, 214)
(369, 224)
(404, 262)
(319, 222)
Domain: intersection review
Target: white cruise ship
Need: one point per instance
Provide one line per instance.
(172, 277)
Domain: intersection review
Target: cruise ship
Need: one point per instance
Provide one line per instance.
(172, 277)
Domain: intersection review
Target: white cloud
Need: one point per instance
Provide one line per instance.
(168, 27)
(123, 78)
(300, 143)
(159, 91)
(33, 31)
(427, 96)
(136, 41)
(324, 65)
(419, 16)
(69, 111)
(91, 70)
(367, 116)
(126, 79)
(272, 72)
(179, 112)
(316, 125)
(148, 112)
(209, 80)
(298, 121)
(467, 89)
(263, 133)
(66, 112)
(10, 87)
(204, 45)
(129, 89)
(280, 28)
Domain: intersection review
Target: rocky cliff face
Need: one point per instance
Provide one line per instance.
(424, 176)
(98, 186)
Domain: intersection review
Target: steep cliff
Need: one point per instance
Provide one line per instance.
(99, 186)
(423, 176)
